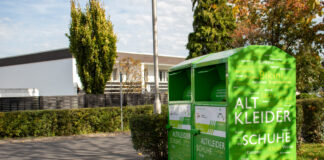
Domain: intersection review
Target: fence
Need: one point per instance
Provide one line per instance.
(135, 87)
(79, 101)
(127, 87)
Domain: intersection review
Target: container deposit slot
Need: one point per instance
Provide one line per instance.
(210, 83)
(180, 85)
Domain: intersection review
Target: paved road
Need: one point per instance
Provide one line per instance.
(117, 147)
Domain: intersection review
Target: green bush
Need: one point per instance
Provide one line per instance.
(312, 127)
(306, 96)
(66, 122)
(321, 94)
(149, 134)
(300, 122)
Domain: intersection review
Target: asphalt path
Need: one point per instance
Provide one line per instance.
(115, 147)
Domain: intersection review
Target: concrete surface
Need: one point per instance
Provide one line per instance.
(115, 147)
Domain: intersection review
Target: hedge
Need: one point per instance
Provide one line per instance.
(66, 122)
(306, 96)
(149, 134)
(310, 119)
(300, 122)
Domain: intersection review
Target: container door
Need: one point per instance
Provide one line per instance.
(211, 122)
(210, 112)
(179, 133)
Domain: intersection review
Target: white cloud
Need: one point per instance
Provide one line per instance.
(138, 20)
(174, 24)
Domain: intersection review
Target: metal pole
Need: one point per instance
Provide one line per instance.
(121, 101)
(157, 103)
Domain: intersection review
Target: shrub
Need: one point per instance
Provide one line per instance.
(66, 122)
(300, 122)
(313, 119)
(321, 94)
(306, 96)
(149, 134)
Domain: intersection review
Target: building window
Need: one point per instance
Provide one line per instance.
(115, 74)
(163, 76)
(145, 75)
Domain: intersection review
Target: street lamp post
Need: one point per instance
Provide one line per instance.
(121, 101)
(157, 103)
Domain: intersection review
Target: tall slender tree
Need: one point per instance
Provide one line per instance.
(212, 27)
(93, 44)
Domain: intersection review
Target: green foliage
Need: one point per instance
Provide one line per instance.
(93, 45)
(310, 73)
(299, 124)
(149, 134)
(313, 119)
(66, 122)
(212, 27)
(306, 95)
(309, 151)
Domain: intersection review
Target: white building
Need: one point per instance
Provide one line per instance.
(54, 73)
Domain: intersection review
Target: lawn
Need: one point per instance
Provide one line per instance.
(311, 151)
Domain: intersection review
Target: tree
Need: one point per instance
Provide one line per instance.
(286, 24)
(248, 20)
(310, 72)
(212, 27)
(93, 45)
(289, 25)
(131, 69)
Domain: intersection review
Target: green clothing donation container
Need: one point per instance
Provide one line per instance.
(237, 104)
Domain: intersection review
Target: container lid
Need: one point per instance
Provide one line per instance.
(206, 59)
(215, 58)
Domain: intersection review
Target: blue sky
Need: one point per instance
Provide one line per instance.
(28, 26)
